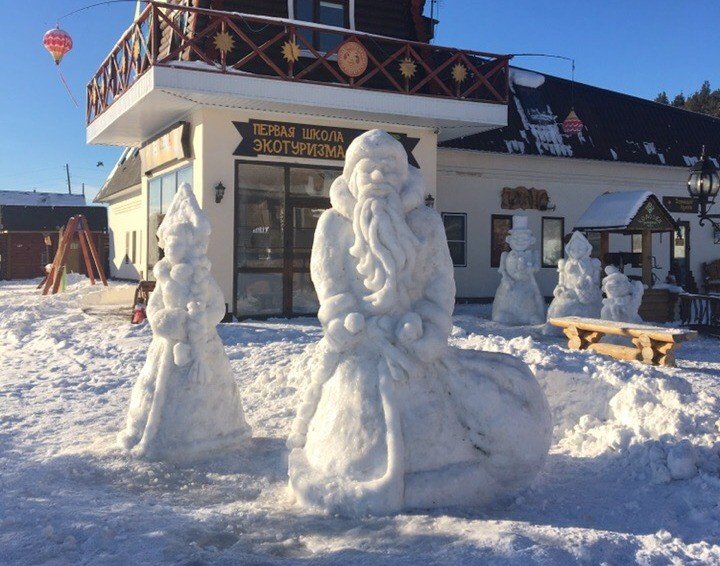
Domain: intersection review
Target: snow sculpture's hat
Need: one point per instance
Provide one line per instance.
(615, 283)
(376, 145)
(519, 222)
(184, 214)
(578, 246)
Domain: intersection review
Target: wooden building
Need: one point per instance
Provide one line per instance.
(30, 225)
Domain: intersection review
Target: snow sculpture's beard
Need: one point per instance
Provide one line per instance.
(386, 249)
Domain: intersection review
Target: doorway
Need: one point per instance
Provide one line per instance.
(680, 256)
(277, 208)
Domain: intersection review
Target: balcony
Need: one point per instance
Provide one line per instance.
(174, 58)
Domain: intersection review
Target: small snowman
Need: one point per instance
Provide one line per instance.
(518, 300)
(623, 297)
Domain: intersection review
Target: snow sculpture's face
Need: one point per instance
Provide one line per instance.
(617, 286)
(521, 240)
(578, 247)
(178, 244)
(378, 177)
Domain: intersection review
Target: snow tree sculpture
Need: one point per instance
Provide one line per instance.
(185, 404)
(518, 299)
(622, 297)
(578, 290)
(394, 418)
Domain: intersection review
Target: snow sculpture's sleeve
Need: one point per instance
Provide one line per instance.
(436, 305)
(328, 267)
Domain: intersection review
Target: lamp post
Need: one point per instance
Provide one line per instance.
(703, 186)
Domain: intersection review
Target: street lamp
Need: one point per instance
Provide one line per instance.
(703, 186)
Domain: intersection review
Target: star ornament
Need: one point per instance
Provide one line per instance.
(224, 42)
(459, 73)
(408, 68)
(291, 51)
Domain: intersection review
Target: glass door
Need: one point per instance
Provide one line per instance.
(680, 254)
(304, 218)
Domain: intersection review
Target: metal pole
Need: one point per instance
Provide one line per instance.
(67, 171)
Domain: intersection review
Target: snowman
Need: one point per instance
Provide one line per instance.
(518, 300)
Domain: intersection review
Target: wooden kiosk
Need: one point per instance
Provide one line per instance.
(628, 213)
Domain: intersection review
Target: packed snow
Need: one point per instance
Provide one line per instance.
(34, 198)
(394, 419)
(185, 403)
(632, 475)
(518, 299)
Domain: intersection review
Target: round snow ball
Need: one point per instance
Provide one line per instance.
(182, 272)
(354, 322)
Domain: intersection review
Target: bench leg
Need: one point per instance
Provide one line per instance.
(655, 352)
(581, 339)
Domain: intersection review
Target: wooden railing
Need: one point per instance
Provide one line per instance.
(701, 312)
(231, 43)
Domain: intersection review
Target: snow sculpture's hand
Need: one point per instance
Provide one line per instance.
(182, 354)
(409, 328)
(344, 334)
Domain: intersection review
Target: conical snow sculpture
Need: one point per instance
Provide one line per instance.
(622, 297)
(518, 300)
(578, 290)
(394, 418)
(185, 404)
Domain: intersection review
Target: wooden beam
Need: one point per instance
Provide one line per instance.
(647, 271)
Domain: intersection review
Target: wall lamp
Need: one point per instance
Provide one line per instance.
(219, 192)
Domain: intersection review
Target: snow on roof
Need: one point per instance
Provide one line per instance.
(34, 198)
(613, 210)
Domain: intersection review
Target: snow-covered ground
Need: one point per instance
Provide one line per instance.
(633, 474)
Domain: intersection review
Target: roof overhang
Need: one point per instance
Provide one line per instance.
(164, 95)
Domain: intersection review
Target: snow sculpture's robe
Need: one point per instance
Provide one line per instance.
(185, 404)
(518, 300)
(578, 290)
(622, 297)
(394, 418)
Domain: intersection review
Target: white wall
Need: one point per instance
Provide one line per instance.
(126, 214)
(472, 182)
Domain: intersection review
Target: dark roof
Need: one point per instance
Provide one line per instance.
(127, 174)
(49, 218)
(618, 127)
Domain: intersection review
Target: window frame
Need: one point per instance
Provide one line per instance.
(542, 240)
(493, 218)
(348, 18)
(464, 241)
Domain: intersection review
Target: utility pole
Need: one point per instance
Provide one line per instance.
(83, 189)
(67, 171)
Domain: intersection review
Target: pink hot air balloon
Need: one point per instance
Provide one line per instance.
(58, 43)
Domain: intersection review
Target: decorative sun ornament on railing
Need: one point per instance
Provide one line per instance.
(291, 52)
(224, 42)
(408, 68)
(459, 73)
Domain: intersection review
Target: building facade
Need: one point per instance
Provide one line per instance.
(255, 109)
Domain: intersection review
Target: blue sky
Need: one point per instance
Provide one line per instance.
(635, 46)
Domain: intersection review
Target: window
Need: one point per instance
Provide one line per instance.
(636, 240)
(500, 227)
(161, 190)
(553, 231)
(456, 233)
(322, 12)
(594, 239)
(133, 249)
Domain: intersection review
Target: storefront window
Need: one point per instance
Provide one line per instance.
(161, 190)
(259, 294)
(312, 182)
(456, 233)
(500, 227)
(305, 299)
(553, 230)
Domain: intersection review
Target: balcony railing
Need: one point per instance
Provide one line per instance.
(168, 35)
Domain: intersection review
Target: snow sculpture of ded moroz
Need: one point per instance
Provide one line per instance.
(622, 297)
(518, 300)
(393, 417)
(185, 404)
(578, 290)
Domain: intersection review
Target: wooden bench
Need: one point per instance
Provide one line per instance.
(651, 344)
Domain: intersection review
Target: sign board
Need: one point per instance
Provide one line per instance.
(170, 146)
(687, 205)
(286, 139)
(652, 216)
